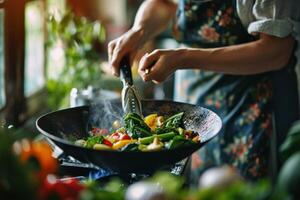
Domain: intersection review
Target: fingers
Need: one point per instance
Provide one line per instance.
(116, 53)
(151, 67)
(110, 48)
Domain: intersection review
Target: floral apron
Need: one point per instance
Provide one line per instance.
(243, 102)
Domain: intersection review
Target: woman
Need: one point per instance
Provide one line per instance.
(231, 49)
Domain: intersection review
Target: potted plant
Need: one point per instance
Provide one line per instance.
(80, 41)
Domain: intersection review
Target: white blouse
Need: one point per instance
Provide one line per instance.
(273, 17)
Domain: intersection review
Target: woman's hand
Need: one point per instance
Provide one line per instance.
(151, 19)
(127, 44)
(160, 64)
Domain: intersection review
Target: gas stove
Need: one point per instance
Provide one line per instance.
(71, 167)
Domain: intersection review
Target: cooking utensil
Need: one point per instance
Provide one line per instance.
(63, 127)
(130, 98)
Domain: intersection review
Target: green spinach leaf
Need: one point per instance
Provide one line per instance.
(135, 126)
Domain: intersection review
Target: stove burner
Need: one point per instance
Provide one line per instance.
(72, 167)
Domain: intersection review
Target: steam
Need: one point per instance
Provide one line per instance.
(104, 112)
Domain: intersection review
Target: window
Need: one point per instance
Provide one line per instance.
(34, 47)
(2, 94)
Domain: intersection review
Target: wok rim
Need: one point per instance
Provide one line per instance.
(67, 142)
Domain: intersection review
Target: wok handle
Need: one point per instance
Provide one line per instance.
(125, 71)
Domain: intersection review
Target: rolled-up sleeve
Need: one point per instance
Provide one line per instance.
(273, 17)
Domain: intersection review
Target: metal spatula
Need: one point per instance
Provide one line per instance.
(130, 97)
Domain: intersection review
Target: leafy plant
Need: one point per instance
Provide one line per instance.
(81, 40)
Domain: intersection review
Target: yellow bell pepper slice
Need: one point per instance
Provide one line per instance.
(150, 120)
(101, 147)
(122, 143)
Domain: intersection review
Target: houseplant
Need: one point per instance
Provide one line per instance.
(81, 43)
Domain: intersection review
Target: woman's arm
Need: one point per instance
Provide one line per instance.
(269, 53)
(152, 18)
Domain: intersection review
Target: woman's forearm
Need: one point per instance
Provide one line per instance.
(154, 17)
(266, 54)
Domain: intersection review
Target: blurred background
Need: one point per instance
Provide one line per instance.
(53, 55)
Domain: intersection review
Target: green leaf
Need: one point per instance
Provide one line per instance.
(135, 126)
(173, 121)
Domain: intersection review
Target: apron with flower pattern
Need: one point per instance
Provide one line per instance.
(243, 102)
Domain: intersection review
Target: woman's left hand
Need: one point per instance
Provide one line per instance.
(159, 64)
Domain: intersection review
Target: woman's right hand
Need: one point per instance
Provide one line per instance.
(125, 45)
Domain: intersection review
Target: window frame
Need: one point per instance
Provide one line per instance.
(17, 108)
(2, 7)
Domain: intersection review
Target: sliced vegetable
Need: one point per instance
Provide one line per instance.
(163, 137)
(155, 145)
(150, 121)
(117, 136)
(122, 143)
(107, 142)
(101, 147)
(130, 147)
(80, 142)
(174, 121)
(91, 141)
(178, 141)
(196, 139)
(135, 126)
(162, 130)
(149, 134)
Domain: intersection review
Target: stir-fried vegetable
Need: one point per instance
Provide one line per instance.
(91, 141)
(152, 133)
(135, 126)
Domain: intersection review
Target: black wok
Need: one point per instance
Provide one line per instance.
(63, 127)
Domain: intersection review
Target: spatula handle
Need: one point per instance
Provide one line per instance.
(125, 70)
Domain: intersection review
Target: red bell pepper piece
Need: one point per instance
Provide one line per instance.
(125, 137)
(107, 142)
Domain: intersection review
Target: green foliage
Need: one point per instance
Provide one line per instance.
(175, 190)
(289, 177)
(82, 41)
(291, 144)
(114, 190)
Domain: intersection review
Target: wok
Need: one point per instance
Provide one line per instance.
(63, 127)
